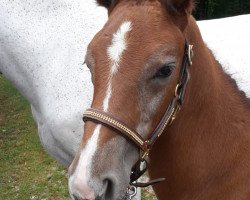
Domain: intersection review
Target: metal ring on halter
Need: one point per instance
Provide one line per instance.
(177, 89)
(190, 54)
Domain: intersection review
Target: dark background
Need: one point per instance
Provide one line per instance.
(211, 9)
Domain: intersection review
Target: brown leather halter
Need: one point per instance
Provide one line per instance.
(111, 122)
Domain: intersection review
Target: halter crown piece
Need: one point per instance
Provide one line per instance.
(169, 116)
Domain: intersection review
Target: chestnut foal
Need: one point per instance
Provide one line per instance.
(139, 63)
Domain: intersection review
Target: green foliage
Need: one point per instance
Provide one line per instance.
(208, 9)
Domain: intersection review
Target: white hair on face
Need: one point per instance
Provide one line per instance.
(114, 52)
(107, 97)
(118, 45)
(82, 173)
(84, 167)
(151, 108)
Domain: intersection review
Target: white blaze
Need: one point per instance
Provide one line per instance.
(114, 52)
(81, 175)
(118, 46)
(105, 104)
(83, 170)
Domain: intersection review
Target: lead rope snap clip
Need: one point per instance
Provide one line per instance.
(131, 192)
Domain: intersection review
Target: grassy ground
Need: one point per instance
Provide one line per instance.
(26, 170)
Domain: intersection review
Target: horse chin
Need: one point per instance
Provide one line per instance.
(103, 193)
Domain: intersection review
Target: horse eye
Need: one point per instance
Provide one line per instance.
(164, 72)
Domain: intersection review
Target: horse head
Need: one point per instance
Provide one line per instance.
(135, 62)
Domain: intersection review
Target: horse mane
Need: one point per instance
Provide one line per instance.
(242, 94)
(228, 77)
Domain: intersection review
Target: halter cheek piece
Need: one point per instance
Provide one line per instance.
(111, 122)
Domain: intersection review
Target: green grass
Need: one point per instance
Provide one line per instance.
(26, 170)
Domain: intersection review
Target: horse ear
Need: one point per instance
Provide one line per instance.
(180, 6)
(106, 3)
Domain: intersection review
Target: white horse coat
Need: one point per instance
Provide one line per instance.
(42, 48)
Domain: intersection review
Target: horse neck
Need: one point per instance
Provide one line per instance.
(212, 94)
(210, 132)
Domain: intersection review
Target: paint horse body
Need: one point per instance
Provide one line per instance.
(135, 62)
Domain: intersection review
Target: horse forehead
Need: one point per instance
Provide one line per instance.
(108, 46)
(126, 34)
(142, 17)
(113, 32)
(119, 41)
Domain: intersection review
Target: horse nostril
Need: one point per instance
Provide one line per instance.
(108, 188)
(76, 197)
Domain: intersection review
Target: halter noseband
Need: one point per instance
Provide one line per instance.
(111, 122)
